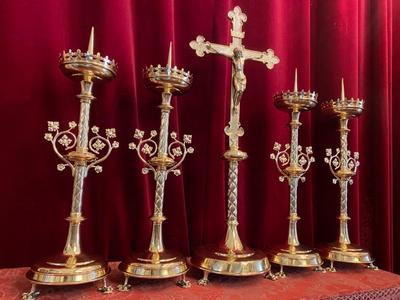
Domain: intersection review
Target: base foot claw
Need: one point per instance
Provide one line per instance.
(30, 295)
(105, 289)
(183, 283)
(280, 274)
(270, 276)
(371, 266)
(124, 287)
(203, 281)
(331, 268)
(320, 269)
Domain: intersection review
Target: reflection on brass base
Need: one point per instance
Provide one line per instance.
(211, 259)
(64, 270)
(67, 270)
(146, 265)
(351, 254)
(297, 257)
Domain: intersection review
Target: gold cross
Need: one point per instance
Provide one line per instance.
(237, 17)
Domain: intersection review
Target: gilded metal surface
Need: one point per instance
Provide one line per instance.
(208, 259)
(343, 165)
(292, 162)
(81, 153)
(78, 64)
(231, 256)
(296, 257)
(142, 265)
(162, 159)
(56, 270)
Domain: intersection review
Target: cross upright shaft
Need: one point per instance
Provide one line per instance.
(238, 55)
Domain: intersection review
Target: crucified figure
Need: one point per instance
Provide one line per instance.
(239, 79)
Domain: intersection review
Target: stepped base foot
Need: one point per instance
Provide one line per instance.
(215, 259)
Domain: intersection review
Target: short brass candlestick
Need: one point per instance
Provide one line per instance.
(231, 257)
(161, 159)
(73, 266)
(344, 166)
(292, 162)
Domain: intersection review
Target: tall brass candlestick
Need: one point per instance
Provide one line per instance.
(162, 159)
(344, 166)
(231, 257)
(292, 162)
(72, 266)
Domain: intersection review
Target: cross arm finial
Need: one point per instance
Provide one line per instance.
(203, 47)
(268, 57)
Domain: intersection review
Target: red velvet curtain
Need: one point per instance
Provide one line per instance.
(325, 40)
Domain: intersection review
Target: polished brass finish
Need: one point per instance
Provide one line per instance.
(59, 271)
(232, 257)
(72, 266)
(344, 166)
(87, 65)
(292, 162)
(162, 159)
(214, 259)
(148, 265)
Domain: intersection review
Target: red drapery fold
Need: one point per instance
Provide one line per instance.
(325, 40)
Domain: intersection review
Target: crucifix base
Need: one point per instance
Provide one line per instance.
(150, 265)
(295, 257)
(67, 270)
(352, 254)
(215, 259)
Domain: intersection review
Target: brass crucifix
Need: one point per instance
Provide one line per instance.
(238, 54)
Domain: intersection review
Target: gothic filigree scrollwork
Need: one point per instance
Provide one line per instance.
(99, 143)
(65, 138)
(286, 167)
(68, 140)
(147, 148)
(342, 164)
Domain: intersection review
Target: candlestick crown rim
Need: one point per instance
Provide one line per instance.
(348, 107)
(289, 100)
(172, 79)
(76, 64)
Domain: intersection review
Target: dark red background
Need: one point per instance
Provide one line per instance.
(325, 40)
